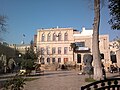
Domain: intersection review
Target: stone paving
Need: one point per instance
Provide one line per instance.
(57, 80)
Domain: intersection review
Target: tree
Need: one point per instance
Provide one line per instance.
(29, 58)
(16, 83)
(30, 54)
(73, 46)
(118, 40)
(28, 64)
(114, 7)
(95, 50)
(1, 66)
(2, 24)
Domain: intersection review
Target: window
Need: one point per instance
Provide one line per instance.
(48, 50)
(78, 58)
(66, 36)
(65, 60)
(53, 60)
(48, 37)
(43, 37)
(42, 60)
(59, 37)
(59, 50)
(101, 56)
(80, 44)
(112, 53)
(54, 37)
(65, 50)
(48, 60)
(42, 51)
(113, 58)
(59, 60)
(53, 50)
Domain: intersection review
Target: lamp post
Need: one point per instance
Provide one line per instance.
(21, 58)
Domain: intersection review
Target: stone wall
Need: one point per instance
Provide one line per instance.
(118, 58)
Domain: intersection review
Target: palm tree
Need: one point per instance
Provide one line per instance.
(96, 53)
(73, 46)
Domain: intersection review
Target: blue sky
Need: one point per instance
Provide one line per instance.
(26, 16)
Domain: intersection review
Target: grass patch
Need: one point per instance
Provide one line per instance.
(30, 79)
(5, 77)
(89, 80)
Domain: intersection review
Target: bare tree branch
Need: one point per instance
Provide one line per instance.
(3, 23)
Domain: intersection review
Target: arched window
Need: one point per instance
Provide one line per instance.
(43, 37)
(42, 51)
(53, 60)
(48, 37)
(59, 37)
(59, 60)
(66, 36)
(54, 37)
(48, 60)
(48, 50)
(42, 60)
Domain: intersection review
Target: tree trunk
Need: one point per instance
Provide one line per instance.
(73, 56)
(96, 53)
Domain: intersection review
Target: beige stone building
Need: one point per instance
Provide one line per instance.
(115, 52)
(54, 45)
(20, 47)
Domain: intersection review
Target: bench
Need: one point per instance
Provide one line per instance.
(107, 84)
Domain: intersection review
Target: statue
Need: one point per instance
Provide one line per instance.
(87, 60)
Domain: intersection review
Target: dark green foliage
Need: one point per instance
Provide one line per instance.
(27, 64)
(16, 83)
(1, 66)
(73, 46)
(114, 6)
(9, 52)
(29, 58)
(30, 54)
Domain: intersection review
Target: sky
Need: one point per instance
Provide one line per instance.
(26, 16)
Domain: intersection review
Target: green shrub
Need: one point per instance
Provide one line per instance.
(16, 83)
(89, 80)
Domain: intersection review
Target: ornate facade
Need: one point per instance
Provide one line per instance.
(54, 45)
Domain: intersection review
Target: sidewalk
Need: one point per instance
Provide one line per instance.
(112, 75)
(57, 80)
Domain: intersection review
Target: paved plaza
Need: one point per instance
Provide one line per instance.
(57, 80)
